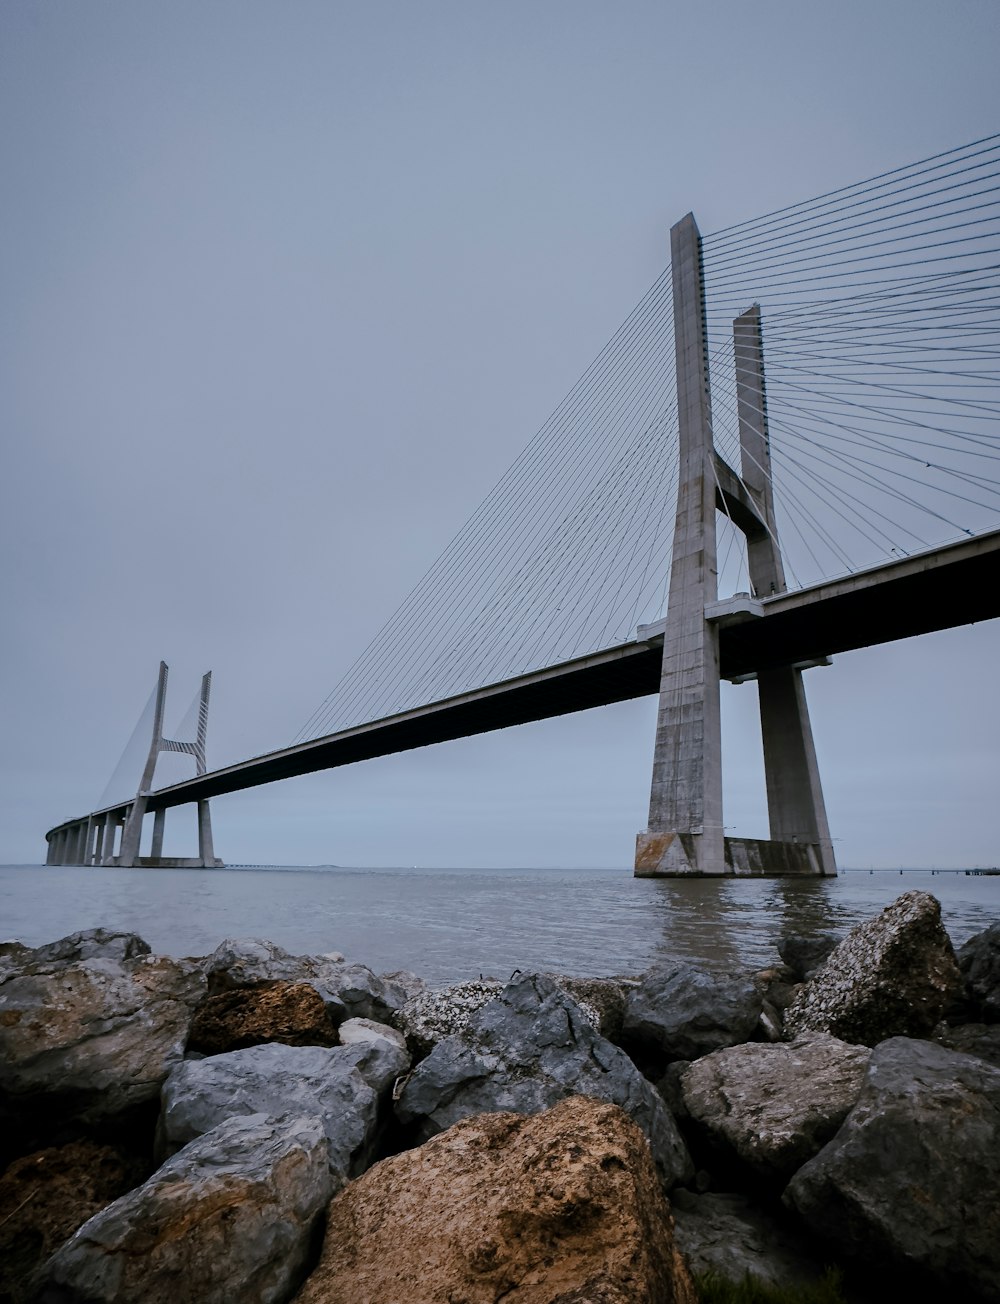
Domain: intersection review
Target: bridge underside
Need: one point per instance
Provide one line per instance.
(918, 595)
(953, 586)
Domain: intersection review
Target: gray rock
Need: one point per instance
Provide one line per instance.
(351, 991)
(681, 1012)
(805, 955)
(727, 1235)
(603, 1000)
(430, 1016)
(894, 975)
(979, 962)
(93, 944)
(93, 1021)
(980, 1039)
(912, 1176)
(775, 1106)
(376, 1050)
(230, 1217)
(328, 1083)
(524, 1051)
(410, 984)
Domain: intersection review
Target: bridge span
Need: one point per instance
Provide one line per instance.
(958, 584)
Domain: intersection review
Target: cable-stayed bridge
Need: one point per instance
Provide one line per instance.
(803, 412)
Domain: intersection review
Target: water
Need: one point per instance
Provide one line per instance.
(450, 925)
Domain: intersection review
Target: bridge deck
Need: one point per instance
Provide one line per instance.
(955, 585)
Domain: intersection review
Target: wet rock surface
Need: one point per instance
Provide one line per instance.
(912, 1176)
(805, 955)
(562, 1206)
(46, 1196)
(93, 1021)
(979, 963)
(331, 1084)
(348, 990)
(893, 975)
(680, 1012)
(230, 1217)
(292, 1013)
(980, 1039)
(524, 1052)
(775, 1106)
(729, 1235)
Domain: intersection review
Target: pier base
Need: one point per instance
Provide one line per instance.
(676, 855)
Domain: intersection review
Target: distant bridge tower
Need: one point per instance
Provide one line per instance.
(685, 834)
(91, 841)
(128, 855)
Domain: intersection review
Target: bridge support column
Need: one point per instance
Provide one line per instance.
(159, 823)
(110, 836)
(88, 841)
(685, 834)
(128, 854)
(796, 810)
(206, 850)
(102, 825)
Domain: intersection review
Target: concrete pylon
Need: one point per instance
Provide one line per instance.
(685, 834)
(796, 810)
(128, 854)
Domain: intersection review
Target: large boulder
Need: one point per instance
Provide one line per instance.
(350, 991)
(775, 1106)
(93, 944)
(292, 1013)
(979, 962)
(92, 1025)
(894, 975)
(429, 1015)
(231, 1217)
(525, 1051)
(46, 1196)
(681, 1012)
(564, 1206)
(912, 1177)
(733, 1237)
(340, 1085)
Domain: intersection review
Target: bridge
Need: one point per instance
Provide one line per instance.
(878, 339)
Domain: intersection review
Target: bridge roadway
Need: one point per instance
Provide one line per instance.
(958, 584)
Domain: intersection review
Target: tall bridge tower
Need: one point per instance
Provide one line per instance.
(686, 833)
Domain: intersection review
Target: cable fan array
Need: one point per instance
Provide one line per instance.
(567, 554)
(881, 333)
(881, 349)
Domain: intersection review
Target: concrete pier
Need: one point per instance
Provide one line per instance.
(685, 832)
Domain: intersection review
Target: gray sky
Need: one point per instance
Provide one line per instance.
(285, 290)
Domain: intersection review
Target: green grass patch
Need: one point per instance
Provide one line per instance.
(713, 1289)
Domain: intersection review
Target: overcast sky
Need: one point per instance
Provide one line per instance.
(285, 289)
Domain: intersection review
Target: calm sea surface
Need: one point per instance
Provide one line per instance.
(449, 925)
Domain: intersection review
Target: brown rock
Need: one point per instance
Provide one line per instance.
(562, 1207)
(292, 1013)
(46, 1196)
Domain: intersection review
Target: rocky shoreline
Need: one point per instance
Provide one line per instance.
(258, 1126)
